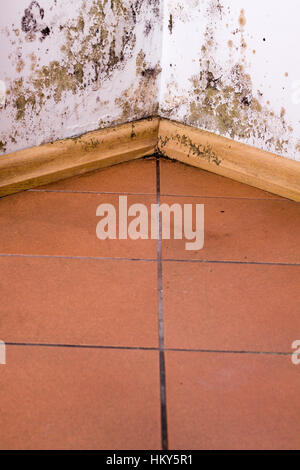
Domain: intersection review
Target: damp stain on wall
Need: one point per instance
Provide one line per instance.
(230, 107)
(225, 101)
(222, 98)
(135, 100)
(102, 50)
(93, 44)
(91, 51)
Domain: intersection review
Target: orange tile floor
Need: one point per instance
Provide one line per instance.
(124, 344)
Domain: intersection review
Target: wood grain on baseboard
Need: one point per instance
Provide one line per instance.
(48, 163)
(229, 158)
(62, 159)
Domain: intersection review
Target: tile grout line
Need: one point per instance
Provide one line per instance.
(146, 348)
(202, 196)
(83, 346)
(162, 365)
(73, 191)
(151, 260)
(207, 261)
(79, 258)
(66, 191)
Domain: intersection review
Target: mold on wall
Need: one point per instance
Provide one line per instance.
(226, 66)
(71, 66)
(229, 68)
(144, 93)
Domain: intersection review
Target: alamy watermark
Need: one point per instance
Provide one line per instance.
(2, 352)
(296, 354)
(114, 223)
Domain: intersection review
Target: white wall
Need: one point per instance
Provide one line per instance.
(219, 74)
(98, 66)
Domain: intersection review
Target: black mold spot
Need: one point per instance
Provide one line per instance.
(170, 26)
(133, 10)
(246, 101)
(133, 134)
(155, 5)
(148, 28)
(211, 81)
(203, 151)
(150, 72)
(215, 8)
(30, 21)
(3, 146)
(45, 32)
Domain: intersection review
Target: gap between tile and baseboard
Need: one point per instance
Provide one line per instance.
(30, 168)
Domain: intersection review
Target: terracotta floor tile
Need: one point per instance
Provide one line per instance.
(242, 230)
(59, 398)
(65, 224)
(232, 401)
(178, 178)
(137, 176)
(231, 307)
(55, 292)
(75, 301)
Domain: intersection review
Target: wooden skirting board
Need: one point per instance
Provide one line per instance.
(229, 158)
(69, 157)
(65, 158)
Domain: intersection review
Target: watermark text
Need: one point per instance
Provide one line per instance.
(188, 222)
(2, 353)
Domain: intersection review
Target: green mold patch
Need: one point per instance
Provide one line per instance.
(90, 145)
(22, 98)
(225, 102)
(94, 44)
(21, 102)
(90, 46)
(140, 100)
(222, 98)
(59, 79)
(230, 107)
